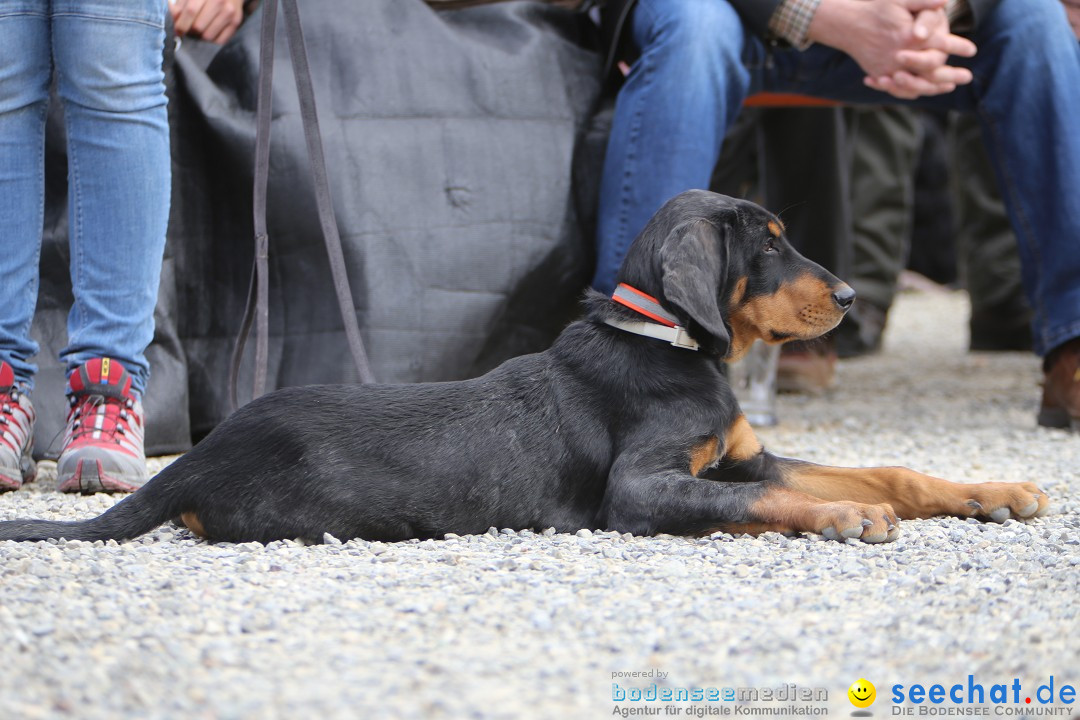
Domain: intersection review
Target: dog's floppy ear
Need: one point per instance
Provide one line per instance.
(692, 259)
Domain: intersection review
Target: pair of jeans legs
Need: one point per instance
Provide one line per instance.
(107, 55)
(698, 63)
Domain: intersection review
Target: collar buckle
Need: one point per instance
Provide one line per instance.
(677, 335)
(683, 339)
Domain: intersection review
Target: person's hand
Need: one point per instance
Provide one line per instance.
(925, 71)
(213, 20)
(902, 45)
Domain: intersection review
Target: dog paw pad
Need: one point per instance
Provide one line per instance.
(1028, 510)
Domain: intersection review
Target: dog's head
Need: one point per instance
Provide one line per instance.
(725, 268)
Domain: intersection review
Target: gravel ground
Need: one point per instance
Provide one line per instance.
(523, 625)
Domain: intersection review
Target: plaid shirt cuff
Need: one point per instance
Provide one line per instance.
(791, 21)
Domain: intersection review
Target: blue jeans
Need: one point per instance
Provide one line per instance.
(107, 55)
(698, 63)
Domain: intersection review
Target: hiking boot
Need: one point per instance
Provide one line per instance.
(103, 442)
(1060, 406)
(16, 433)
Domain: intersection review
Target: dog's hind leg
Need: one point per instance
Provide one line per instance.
(913, 494)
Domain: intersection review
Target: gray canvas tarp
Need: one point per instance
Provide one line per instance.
(463, 176)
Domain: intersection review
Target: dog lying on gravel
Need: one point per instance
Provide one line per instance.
(626, 423)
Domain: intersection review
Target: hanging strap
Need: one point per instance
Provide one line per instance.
(257, 307)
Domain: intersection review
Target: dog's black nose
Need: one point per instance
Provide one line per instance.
(844, 297)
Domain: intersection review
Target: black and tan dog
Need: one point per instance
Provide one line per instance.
(625, 423)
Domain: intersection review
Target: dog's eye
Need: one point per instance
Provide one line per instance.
(769, 246)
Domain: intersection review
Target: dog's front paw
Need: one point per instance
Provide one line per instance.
(1000, 501)
(869, 523)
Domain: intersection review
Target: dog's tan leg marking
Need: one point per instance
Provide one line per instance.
(915, 495)
(784, 510)
(741, 442)
(704, 455)
(193, 524)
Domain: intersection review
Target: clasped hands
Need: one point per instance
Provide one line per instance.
(902, 45)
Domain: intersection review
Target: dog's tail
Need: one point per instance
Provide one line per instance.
(152, 505)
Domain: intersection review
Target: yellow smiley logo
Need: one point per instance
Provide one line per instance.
(862, 693)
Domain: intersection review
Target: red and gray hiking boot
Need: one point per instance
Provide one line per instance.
(16, 433)
(103, 443)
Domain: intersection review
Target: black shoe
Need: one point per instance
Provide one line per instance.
(860, 331)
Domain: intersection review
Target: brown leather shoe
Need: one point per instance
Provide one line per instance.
(1061, 387)
(806, 367)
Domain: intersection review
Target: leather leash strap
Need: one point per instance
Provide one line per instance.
(257, 308)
